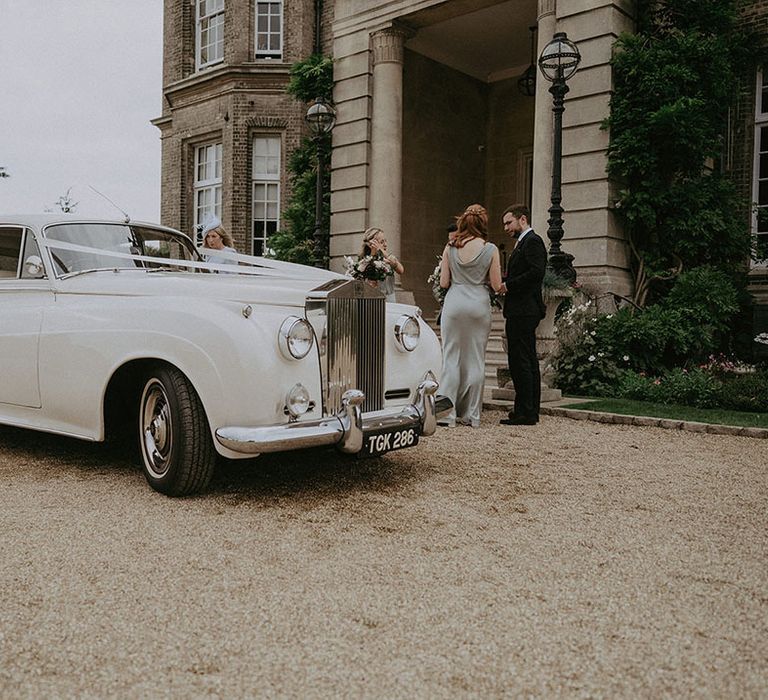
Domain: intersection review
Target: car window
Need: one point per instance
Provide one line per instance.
(30, 248)
(10, 245)
(117, 238)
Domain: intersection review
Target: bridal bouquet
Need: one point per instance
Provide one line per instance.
(434, 281)
(495, 300)
(368, 267)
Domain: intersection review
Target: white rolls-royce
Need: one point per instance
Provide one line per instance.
(105, 324)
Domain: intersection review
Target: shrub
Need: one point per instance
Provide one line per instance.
(707, 296)
(745, 392)
(583, 363)
(694, 387)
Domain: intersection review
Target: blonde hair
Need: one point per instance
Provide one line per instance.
(473, 223)
(368, 236)
(226, 239)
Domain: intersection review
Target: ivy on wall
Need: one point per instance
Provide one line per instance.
(310, 78)
(674, 81)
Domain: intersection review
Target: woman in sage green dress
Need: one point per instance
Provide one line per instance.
(468, 267)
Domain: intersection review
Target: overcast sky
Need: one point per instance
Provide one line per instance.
(79, 82)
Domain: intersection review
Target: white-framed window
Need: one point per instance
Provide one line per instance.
(207, 186)
(265, 176)
(210, 32)
(269, 29)
(760, 165)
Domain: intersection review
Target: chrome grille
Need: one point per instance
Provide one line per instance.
(349, 321)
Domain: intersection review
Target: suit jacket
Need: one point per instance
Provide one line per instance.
(525, 272)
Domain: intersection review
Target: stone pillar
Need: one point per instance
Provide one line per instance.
(542, 129)
(386, 194)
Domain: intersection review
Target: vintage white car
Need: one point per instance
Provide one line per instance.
(106, 323)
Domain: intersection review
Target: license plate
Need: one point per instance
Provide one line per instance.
(386, 441)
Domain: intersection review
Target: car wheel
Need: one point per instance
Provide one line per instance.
(176, 447)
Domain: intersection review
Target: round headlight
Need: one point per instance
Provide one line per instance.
(297, 400)
(295, 338)
(407, 332)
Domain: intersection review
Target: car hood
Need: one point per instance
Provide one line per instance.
(283, 284)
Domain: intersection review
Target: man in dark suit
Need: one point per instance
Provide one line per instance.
(523, 309)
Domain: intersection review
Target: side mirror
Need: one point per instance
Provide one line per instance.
(34, 268)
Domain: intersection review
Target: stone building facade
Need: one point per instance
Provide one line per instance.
(429, 120)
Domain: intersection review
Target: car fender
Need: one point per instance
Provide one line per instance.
(231, 361)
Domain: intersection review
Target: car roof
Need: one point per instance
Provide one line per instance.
(39, 221)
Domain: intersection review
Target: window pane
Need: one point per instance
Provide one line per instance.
(763, 169)
(762, 223)
(762, 197)
(10, 247)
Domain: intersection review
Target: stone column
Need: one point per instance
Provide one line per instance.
(542, 130)
(385, 207)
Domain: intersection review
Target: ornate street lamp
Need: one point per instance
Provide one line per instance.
(558, 62)
(526, 83)
(321, 118)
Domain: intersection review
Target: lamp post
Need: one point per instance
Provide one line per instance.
(558, 62)
(321, 118)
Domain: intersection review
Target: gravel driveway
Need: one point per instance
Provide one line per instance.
(566, 559)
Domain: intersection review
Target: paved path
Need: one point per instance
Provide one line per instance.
(567, 559)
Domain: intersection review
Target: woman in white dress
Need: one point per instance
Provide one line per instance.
(469, 266)
(217, 240)
(374, 241)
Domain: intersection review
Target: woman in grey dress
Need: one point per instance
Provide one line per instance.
(469, 266)
(374, 241)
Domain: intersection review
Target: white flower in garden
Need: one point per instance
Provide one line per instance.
(626, 358)
(762, 338)
(609, 316)
(592, 333)
(600, 354)
(592, 358)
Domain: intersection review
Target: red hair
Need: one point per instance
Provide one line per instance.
(473, 223)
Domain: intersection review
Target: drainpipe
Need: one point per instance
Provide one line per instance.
(318, 23)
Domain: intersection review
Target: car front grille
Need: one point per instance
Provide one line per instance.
(349, 318)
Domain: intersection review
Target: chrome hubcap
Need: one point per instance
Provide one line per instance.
(156, 428)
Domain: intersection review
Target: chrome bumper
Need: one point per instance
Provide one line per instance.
(345, 429)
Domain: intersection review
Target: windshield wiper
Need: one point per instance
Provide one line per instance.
(75, 273)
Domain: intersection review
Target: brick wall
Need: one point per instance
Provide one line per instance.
(741, 157)
(230, 102)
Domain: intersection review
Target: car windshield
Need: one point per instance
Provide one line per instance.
(126, 239)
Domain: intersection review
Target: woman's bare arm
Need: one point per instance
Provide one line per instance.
(495, 272)
(445, 270)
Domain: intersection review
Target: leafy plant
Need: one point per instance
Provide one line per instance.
(584, 363)
(746, 392)
(310, 78)
(694, 387)
(673, 83)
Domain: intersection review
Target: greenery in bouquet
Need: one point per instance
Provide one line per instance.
(368, 267)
